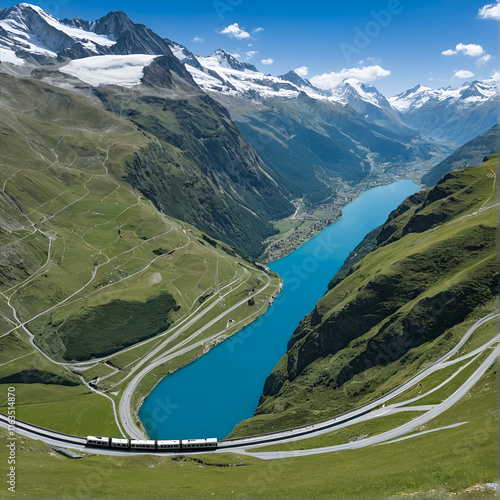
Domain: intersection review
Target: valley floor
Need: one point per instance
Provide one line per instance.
(442, 453)
(310, 219)
(451, 453)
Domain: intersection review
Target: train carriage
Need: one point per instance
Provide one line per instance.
(172, 445)
(120, 443)
(142, 444)
(102, 442)
(199, 444)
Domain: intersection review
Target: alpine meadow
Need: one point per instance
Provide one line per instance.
(249, 249)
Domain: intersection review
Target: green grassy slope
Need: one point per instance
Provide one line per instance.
(200, 168)
(434, 269)
(453, 462)
(78, 243)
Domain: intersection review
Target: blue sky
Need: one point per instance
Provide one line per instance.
(405, 38)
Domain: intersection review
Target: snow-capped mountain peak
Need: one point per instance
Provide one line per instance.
(297, 80)
(415, 97)
(479, 91)
(221, 72)
(74, 32)
(28, 33)
(352, 91)
(419, 96)
(31, 37)
(221, 58)
(443, 112)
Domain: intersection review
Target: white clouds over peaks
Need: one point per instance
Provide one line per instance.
(302, 71)
(267, 62)
(490, 11)
(370, 60)
(234, 31)
(483, 60)
(463, 74)
(494, 78)
(198, 39)
(367, 74)
(470, 49)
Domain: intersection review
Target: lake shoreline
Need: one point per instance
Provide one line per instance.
(227, 382)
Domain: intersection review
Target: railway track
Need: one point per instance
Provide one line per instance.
(77, 442)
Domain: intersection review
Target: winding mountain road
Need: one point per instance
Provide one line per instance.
(250, 446)
(126, 398)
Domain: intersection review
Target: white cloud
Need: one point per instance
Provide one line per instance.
(251, 53)
(331, 80)
(198, 39)
(470, 49)
(483, 60)
(494, 78)
(463, 74)
(302, 71)
(267, 62)
(236, 56)
(490, 11)
(234, 31)
(257, 30)
(371, 60)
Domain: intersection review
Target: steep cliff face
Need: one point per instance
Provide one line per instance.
(431, 267)
(471, 153)
(72, 227)
(197, 165)
(200, 168)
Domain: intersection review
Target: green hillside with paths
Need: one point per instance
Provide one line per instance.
(457, 462)
(89, 265)
(200, 168)
(434, 270)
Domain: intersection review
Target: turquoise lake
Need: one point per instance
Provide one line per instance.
(213, 394)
